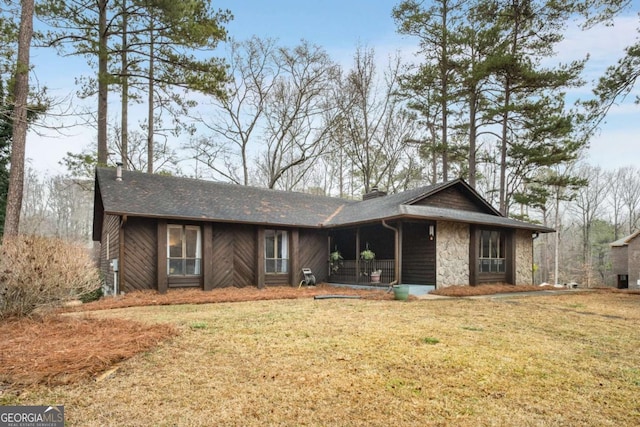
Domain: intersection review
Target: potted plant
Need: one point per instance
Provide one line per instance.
(367, 256)
(335, 260)
(375, 276)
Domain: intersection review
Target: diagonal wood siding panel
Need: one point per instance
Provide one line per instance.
(244, 260)
(314, 254)
(222, 274)
(140, 248)
(234, 254)
(109, 247)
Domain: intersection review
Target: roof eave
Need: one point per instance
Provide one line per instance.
(210, 219)
(523, 226)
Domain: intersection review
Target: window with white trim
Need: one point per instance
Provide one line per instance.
(491, 258)
(276, 251)
(184, 254)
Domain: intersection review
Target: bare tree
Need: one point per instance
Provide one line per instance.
(587, 205)
(630, 195)
(70, 206)
(376, 130)
(34, 217)
(614, 200)
(237, 117)
(299, 114)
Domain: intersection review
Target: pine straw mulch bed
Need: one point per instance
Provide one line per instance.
(230, 294)
(56, 349)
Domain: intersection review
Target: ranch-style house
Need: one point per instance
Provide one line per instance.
(160, 232)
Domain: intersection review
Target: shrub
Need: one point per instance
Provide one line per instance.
(38, 273)
(93, 295)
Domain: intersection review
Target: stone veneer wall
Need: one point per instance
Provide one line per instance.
(452, 254)
(524, 258)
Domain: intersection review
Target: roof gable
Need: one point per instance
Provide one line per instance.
(458, 195)
(625, 240)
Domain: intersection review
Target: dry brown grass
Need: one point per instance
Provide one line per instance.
(469, 291)
(60, 350)
(558, 360)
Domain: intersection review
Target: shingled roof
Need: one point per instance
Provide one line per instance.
(160, 196)
(625, 240)
(401, 205)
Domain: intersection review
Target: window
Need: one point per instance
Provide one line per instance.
(183, 250)
(276, 251)
(492, 252)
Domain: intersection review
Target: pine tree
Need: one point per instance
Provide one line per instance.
(157, 49)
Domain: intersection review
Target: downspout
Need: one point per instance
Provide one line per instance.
(396, 252)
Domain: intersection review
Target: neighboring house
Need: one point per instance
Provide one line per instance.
(625, 260)
(165, 232)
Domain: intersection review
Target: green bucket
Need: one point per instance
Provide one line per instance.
(401, 292)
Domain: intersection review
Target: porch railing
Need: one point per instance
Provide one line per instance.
(348, 273)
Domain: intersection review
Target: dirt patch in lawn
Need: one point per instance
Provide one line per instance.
(64, 349)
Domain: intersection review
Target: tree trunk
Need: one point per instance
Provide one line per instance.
(444, 65)
(19, 135)
(124, 120)
(503, 153)
(556, 239)
(472, 138)
(103, 84)
(150, 101)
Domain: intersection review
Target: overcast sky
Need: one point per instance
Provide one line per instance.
(339, 26)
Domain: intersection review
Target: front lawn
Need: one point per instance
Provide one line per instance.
(567, 359)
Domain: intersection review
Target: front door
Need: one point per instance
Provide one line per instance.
(419, 253)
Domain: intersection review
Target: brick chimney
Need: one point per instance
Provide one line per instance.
(374, 193)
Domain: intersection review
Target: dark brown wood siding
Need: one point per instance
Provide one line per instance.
(109, 245)
(313, 253)
(418, 254)
(140, 249)
(276, 279)
(454, 198)
(634, 261)
(620, 260)
(234, 256)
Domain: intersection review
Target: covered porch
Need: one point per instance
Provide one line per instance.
(404, 254)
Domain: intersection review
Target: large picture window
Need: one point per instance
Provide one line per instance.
(491, 252)
(183, 250)
(276, 251)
